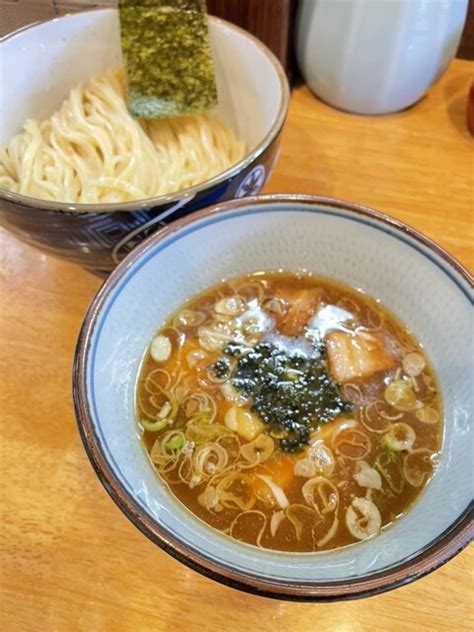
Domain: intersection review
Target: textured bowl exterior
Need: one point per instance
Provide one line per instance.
(375, 58)
(99, 241)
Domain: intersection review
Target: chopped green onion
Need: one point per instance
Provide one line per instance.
(428, 415)
(400, 395)
(390, 466)
(399, 436)
(176, 443)
(418, 466)
(154, 426)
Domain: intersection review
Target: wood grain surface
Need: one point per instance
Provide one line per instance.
(69, 559)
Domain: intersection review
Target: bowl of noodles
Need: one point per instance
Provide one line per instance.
(290, 412)
(82, 180)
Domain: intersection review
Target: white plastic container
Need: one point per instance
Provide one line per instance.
(376, 56)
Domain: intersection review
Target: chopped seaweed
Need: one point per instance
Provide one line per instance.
(291, 393)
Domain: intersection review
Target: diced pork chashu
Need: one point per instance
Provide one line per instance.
(301, 305)
(353, 356)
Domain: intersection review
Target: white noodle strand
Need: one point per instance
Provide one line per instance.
(92, 150)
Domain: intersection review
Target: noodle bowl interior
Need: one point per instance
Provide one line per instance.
(290, 412)
(92, 150)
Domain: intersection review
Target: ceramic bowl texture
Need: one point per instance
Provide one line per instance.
(253, 98)
(375, 58)
(419, 282)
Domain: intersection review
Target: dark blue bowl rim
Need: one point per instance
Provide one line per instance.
(161, 200)
(434, 555)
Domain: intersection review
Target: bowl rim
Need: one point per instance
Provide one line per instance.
(436, 553)
(190, 192)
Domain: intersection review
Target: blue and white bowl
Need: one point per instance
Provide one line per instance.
(43, 62)
(418, 281)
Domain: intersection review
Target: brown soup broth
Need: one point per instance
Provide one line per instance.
(290, 412)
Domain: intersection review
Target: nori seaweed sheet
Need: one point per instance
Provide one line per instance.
(167, 54)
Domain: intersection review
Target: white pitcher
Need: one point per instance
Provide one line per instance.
(376, 56)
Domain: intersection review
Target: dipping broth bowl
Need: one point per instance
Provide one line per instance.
(41, 63)
(366, 250)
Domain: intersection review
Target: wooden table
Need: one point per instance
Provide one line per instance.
(69, 559)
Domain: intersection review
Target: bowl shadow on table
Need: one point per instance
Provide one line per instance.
(456, 93)
(178, 584)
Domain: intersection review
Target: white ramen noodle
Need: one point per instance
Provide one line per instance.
(93, 151)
